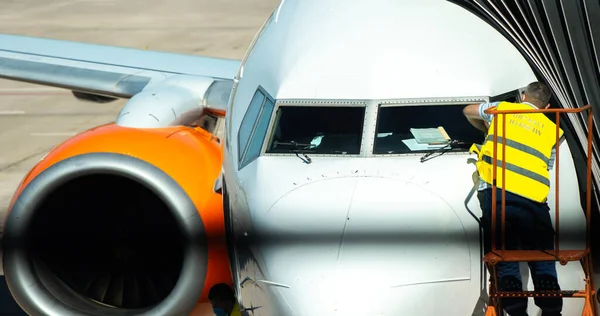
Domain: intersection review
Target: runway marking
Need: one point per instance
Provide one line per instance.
(54, 134)
(12, 112)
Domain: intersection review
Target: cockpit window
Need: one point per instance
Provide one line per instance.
(394, 124)
(328, 130)
(253, 129)
(248, 122)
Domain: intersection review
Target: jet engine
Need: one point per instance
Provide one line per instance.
(119, 221)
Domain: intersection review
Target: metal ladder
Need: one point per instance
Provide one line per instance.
(494, 307)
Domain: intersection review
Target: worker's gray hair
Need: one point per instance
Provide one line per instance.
(538, 93)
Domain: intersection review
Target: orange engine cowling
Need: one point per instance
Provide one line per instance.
(119, 221)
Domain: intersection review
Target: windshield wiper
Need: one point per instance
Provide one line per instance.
(442, 150)
(299, 149)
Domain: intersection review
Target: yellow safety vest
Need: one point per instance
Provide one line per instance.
(530, 138)
(236, 310)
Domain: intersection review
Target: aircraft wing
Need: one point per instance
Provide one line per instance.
(98, 69)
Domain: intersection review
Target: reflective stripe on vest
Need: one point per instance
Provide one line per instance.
(516, 169)
(519, 146)
(529, 142)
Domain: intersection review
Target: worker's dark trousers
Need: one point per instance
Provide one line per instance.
(528, 227)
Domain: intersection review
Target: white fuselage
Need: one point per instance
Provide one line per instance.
(369, 234)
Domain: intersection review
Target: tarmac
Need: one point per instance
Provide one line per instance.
(34, 119)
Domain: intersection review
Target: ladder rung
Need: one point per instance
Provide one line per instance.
(542, 294)
(534, 255)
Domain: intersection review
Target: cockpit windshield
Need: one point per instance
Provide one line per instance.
(316, 129)
(400, 129)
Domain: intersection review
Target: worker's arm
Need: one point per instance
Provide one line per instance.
(553, 153)
(476, 116)
(478, 123)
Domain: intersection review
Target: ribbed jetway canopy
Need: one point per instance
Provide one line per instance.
(560, 39)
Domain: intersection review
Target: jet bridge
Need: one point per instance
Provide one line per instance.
(559, 39)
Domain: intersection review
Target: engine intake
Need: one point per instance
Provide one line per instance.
(105, 233)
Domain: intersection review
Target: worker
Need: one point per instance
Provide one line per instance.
(530, 149)
(223, 300)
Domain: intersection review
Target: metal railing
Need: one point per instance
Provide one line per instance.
(564, 256)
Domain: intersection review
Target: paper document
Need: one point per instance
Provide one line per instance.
(414, 146)
(432, 136)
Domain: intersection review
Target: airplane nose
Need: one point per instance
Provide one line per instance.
(368, 246)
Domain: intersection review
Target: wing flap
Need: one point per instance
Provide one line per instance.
(98, 69)
(118, 84)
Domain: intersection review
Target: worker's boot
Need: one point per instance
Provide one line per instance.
(549, 306)
(513, 306)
